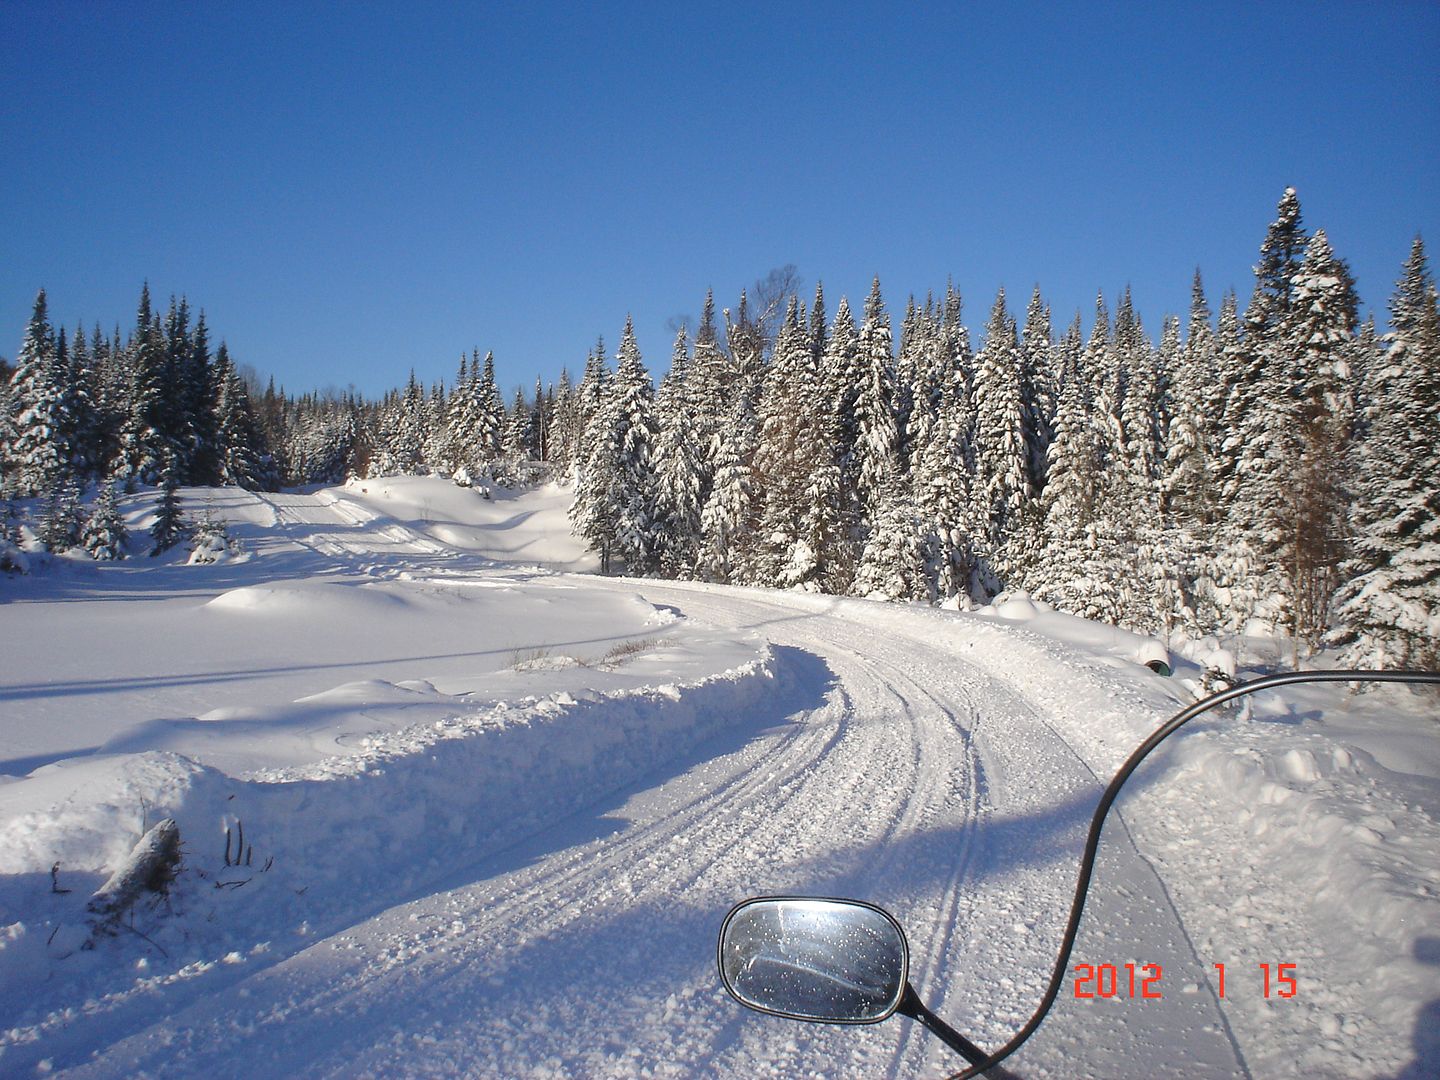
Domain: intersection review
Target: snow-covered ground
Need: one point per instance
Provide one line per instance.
(494, 811)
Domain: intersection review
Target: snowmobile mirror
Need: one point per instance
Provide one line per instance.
(807, 958)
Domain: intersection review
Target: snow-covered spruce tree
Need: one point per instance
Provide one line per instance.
(1071, 500)
(678, 463)
(1387, 614)
(84, 435)
(169, 526)
(798, 515)
(711, 390)
(1001, 487)
(876, 455)
(60, 526)
(40, 401)
(407, 447)
(633, 427)
(105, 536)
(241, 457)
(140, 449)
(1313, 520)
(727, 520)
(1258, 420)
(614, 506)
(462, 419)
(520, 430)
(562, 431)
(896, 562)
(1038, 389)
(841, 376)
(490, 437)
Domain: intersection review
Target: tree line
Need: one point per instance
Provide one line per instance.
(1269, 469)
(1275, 470)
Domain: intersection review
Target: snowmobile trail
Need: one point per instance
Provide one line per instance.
(912, 778)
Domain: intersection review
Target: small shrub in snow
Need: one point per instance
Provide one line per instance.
(210, 542)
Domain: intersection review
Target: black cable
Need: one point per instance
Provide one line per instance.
(1092, 842)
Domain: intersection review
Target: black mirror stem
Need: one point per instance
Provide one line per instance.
(911, 1006)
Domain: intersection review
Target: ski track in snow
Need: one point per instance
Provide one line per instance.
(944, 767)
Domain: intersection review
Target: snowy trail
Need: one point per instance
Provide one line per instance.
(904, 775)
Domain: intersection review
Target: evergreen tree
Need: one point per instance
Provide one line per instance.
(1388, 611)
(876, 452)
(793, 446)
(727, 521)
(1312, 505)
(896, 561)
(615, 506)
(141, 447)
(678, 464)
(1038, 390)
(1001, 488)
(490, 438)
(40, 402)
(169, 526)
(60, 528)
(105, 536)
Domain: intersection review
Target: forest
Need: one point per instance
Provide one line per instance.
(1270, 470)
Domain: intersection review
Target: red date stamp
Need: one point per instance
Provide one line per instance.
(1144, 981)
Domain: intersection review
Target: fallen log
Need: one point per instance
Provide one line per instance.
(149, 868)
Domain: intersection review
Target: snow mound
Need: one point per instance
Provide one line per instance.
(311, 600)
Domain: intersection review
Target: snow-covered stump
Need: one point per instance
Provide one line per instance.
(150, 868)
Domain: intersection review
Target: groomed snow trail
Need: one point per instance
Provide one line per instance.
(906, 774)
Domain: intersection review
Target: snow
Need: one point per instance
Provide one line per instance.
(493, 812)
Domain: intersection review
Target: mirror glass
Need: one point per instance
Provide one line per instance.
(836, 961)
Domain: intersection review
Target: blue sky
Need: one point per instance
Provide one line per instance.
(354, 190)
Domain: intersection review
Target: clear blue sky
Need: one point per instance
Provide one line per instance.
(350, 190)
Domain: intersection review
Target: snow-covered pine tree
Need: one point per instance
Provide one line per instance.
(1071, 500)
(896, 561)
(1001, 487)
(841, 375)
(61, 524)
(105, 536)
(201, 400)
(140, 449)
(712, 391)
(727, 520)
(791, 435)
(876, 454)
(407, 433)
(169, 525)
(564, 428)
(1258, 418)
(633, 402)
(1387, 614)
(85, 431)
(1312, 520)
(462, 419)
(678, 457)
(40, 403)
(539, 445)
(490, 436)
(520, 430)
(1037, 387)
(614, 505)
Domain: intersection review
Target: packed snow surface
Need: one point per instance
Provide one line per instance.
(452, 805)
